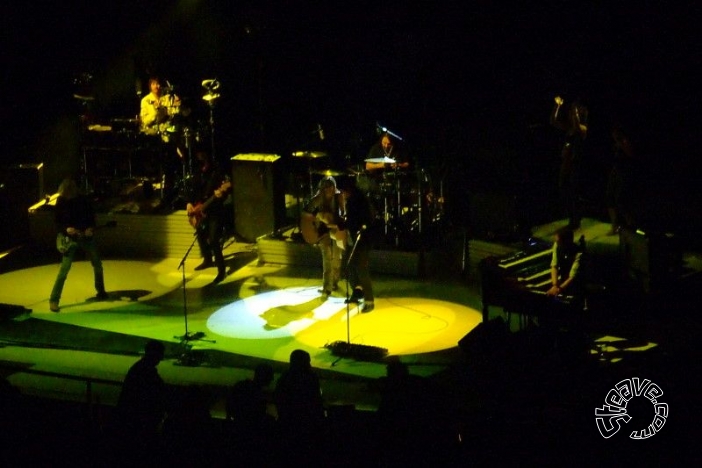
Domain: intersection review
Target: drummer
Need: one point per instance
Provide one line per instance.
(157, 109)
(385, 154)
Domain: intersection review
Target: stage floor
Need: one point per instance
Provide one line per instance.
(260, 313)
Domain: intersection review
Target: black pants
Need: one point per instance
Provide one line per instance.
(357, 263)
(209, 237)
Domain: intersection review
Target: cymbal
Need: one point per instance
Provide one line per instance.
(383, 160)
(329, 172)
(309, 154)
(210, 97)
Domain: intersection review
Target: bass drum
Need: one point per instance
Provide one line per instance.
(416, 203)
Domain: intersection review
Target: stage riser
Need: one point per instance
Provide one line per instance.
(286, 252)
(134, 236)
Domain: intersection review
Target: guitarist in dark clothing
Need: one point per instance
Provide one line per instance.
(206, 213)
(75, 220)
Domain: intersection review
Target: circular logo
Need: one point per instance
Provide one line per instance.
(609, 418)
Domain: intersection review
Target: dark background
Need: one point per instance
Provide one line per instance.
(469, 85)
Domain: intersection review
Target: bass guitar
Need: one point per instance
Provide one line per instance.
(197, 213)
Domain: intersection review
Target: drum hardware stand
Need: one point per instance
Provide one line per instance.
(211, 86)
(185, 184)
(188, 357)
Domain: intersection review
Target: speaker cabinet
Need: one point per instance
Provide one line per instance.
(21, 186)
(652, 260)
(258, 192)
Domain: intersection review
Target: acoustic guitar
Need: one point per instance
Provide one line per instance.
(197, 213)
(312, 230)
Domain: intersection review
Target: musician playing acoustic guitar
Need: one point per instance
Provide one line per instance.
(206, 213)
(325, 210)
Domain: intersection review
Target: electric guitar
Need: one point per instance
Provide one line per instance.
(197, 212)
(64, 241)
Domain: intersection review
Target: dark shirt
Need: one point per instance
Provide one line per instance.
(141, 400)
(298, 399)
(209, 179)
(246, 403)
(74, 212)
(359, 214)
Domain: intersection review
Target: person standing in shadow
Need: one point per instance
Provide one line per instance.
(413, 420)
(250, 426)
(359, 223)
(574, 125)
(620, 196)
(141, 407)
(301, 415)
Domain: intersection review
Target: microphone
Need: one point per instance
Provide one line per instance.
(320, 131)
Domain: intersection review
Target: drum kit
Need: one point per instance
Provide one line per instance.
(173, 138)
(404, 201)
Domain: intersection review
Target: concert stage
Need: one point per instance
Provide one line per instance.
(266, 308)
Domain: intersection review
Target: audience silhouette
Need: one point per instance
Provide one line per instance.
(250, 426)
(188, 435)
(301, 414)
(141, 406)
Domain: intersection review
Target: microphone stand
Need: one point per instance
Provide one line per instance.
(187, 358)
(348, 296)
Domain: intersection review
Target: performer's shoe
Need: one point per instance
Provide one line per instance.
(325, 294)
(102, 296)
(54, 306)
(219, 278)
(368, 306)
(205, 265)
(356, 296)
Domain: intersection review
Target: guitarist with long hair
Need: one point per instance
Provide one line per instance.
(206, 213)
(324, 212)
(75, 221)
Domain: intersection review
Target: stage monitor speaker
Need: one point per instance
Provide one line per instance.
(258, 193)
